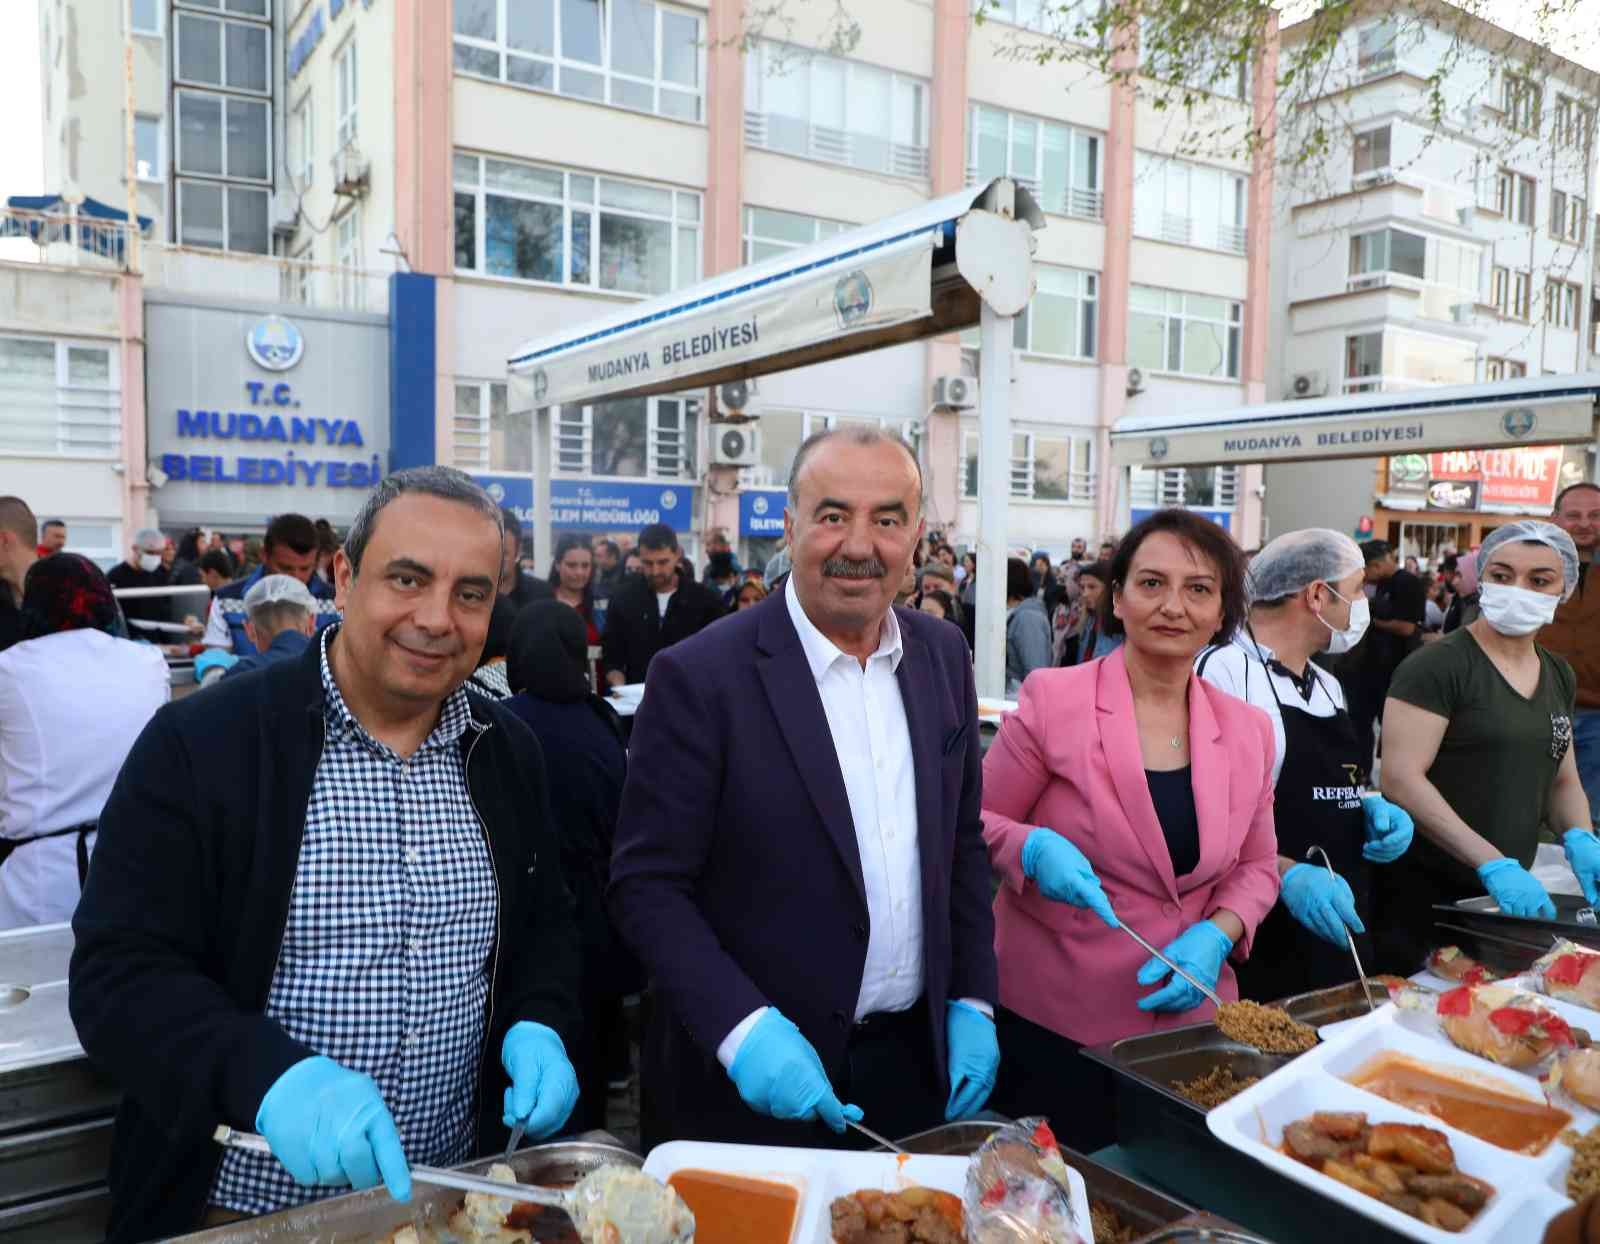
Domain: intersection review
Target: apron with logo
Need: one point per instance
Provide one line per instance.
(1318, 803)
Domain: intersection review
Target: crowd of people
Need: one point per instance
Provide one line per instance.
(379, 893)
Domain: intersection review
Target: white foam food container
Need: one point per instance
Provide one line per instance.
(821, 1175)
(1529, 1189)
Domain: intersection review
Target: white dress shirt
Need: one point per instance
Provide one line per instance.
(1241, 669)
(867, 719)
(71, 706)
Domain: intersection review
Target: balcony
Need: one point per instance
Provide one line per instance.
(66, 239)
(1180, 230)
(871, 152)
(1079, 201)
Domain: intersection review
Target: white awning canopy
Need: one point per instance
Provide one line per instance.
(914, 275)
(1548, 410)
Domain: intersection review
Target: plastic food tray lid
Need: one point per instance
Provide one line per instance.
(820, 1175)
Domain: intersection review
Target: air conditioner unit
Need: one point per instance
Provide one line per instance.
(1308, 384)
(352, 172)
(735, 395)
(1135, 381)
(735, 444)
(285, 213)
(955, 392)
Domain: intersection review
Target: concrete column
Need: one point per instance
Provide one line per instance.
(1114, 276)
(1258, 288)
(135, 449)
(947, 172)
(424, 219)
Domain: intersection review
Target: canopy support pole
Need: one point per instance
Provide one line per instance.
(543, 502)
(1122, 502)
(994, 498)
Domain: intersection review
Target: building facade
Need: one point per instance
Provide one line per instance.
(525, 166)
(1423, 254)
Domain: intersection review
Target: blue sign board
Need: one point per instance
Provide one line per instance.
(761, 512)
(513, 492)
(610, 505)
(1222, 518)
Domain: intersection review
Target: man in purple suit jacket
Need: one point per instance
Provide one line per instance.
(799, 859)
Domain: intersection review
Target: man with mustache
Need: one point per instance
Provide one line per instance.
(327, 901)
(799, 861)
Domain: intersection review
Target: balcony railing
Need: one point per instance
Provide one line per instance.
(265, 278)
(1073, 201)
(68, 238)
(1189, 231)
(872, 152)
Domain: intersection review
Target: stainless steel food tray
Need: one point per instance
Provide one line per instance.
(1509, 944)
(1330, 1005)
(366, 1217)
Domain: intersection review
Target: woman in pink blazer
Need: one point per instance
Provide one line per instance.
(1127, 784)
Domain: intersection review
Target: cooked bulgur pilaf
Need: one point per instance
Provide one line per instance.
(1269, 1029)
(1213, 1088)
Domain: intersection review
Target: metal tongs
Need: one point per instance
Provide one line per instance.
(638, 1208)
(1349, 937)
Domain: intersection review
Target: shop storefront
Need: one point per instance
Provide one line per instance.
(760, 525)
(252, 414)
(1456, 497)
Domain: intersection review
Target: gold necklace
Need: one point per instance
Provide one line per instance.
(1177, 742)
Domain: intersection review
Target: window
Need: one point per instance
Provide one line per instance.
(1521, 296)
(535, 223)
(1375, 52)
(1065, 19)
(1191, 204)
(769, 232)
(1504, 369)
(1203, 487)
(1060, 165)
(1045, 466)
(346, 95)
(147, 162)
(1389, 250)
(1515, 196)
(1372, 151)
(629, 53)
(1212, 62)
(1573, 123)
(147, 17)
(1561, 303)
(1500, 289)
(1363, 363)
(1190, 334)
(300, 278)
(59, 397)
(635, 437)
(489, 436)
(302, 172)
(1569, 215)
(807, 104)
(232, 55)
(223, 136)
(1061, 320)
(1522, 102)
(347, 239)
(222, 217)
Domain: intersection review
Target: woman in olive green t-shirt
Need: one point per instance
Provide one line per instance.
(1477, 746)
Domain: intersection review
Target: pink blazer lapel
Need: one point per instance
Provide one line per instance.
(1119, 742)
(1211, 768)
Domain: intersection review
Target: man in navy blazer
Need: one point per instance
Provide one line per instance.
(799, 860)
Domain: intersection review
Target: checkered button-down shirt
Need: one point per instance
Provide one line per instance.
(384, 965)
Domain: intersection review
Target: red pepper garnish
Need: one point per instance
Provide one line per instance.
(1516, 1021)
(1044, 1137)
(995, 1194)
(1476, 975)
(1568, 969)
(1457, 1002)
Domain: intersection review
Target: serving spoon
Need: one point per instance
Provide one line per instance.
(610, 1205)
(1349, 937)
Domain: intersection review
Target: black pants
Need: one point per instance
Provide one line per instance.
(888, 1070)
(602, 1021)
(1042, 1073)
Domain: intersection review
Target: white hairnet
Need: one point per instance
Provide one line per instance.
(1300, 558)
(1535, 531)
(274, 589)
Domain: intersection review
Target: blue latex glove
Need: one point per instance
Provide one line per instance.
(778, 1074)
(1200, 950)
(544, 1087)
(1063, 873)
(1515, 889)
(1321, 901)
(1389, 830)
(328, 1125)
(1583, 854)
(974, 1059)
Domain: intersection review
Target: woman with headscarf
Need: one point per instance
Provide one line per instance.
(1477, 746)
(73, 698)
(490, 676)
(586, 762)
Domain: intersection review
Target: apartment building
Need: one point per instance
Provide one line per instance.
(517, 167)
(1429, 253)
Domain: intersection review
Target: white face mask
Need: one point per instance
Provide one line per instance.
(961, 574)
(1516, 610)
(1360, 618)
(149, 561)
